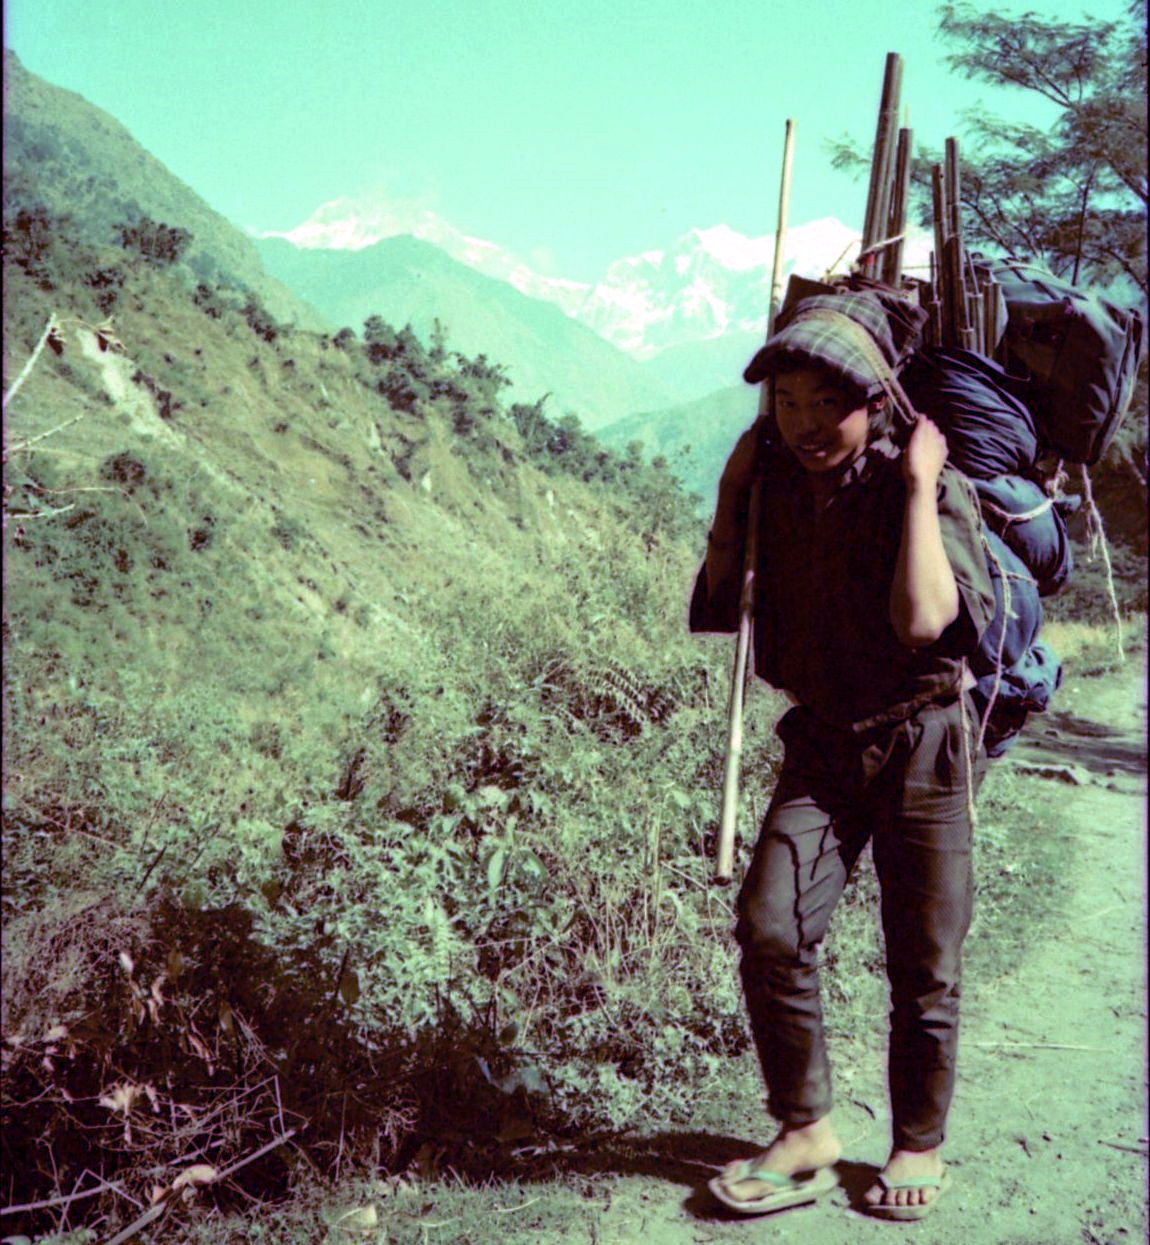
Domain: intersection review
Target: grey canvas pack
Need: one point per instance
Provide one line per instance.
(1080, 351)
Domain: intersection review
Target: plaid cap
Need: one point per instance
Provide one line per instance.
(809, 338)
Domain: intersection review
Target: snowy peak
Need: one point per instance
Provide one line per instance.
(350, 224)
(707, 283)
(733, 250)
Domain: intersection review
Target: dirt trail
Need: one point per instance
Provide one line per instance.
(1048, 1142)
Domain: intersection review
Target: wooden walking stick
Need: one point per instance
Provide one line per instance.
(725, 860)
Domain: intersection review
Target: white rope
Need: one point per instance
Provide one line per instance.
(1007, 518)
(1097, 535)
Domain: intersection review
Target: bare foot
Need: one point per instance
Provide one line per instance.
(803, 1149)
(907, 1166)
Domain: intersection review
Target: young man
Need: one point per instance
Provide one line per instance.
(870, 589)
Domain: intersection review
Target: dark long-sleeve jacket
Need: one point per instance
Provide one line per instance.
(822, 627)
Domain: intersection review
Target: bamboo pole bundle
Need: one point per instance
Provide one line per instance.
(957, 288)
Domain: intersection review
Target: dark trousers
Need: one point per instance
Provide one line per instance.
(908, 788)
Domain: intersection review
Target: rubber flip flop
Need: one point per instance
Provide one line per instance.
(787, 1190)
(941, 1183)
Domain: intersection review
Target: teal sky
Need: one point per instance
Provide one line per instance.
(570, 131)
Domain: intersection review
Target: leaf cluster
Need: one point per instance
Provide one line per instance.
(1073, 196)
(157, 242)
(1070, 195)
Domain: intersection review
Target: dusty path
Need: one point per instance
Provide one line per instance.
(1048, 1142)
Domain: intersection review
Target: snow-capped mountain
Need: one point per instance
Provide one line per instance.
(708, 284)
(354, 224)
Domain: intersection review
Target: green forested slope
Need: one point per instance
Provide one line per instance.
(347, 703)
(408, 281)
(74, 159)
(695, 437)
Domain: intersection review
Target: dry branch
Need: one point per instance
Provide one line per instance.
(154, 1212)
(65, 1200)
(26, 370)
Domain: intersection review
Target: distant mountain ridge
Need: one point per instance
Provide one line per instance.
(694, 437)
(348, 224)
(706, 285)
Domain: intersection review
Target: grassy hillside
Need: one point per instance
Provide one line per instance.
(76, 160)
(408, 281)
(353, 736)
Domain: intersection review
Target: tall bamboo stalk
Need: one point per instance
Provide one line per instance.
(896, 226)
(882, 163)
(780, 240)
(995, 315)
(945, 326)
(725, 856)
(953, 188)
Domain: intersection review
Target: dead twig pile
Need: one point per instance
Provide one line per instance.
(178, 1067)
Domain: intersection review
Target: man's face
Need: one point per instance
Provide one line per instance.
(820, 420)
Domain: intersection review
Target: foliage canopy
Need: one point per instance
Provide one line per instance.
(1073, 196)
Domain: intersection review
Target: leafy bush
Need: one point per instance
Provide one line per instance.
(155, 241)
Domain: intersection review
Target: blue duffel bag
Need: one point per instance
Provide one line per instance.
(1031, 524)
(1017, 610)
(1026, 687)
(979, 407)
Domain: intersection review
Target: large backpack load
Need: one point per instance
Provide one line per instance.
(1061, 380)
(1015, 364)
(999, 424)
(1018, 364)
(1078, 351)
(992, 438)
